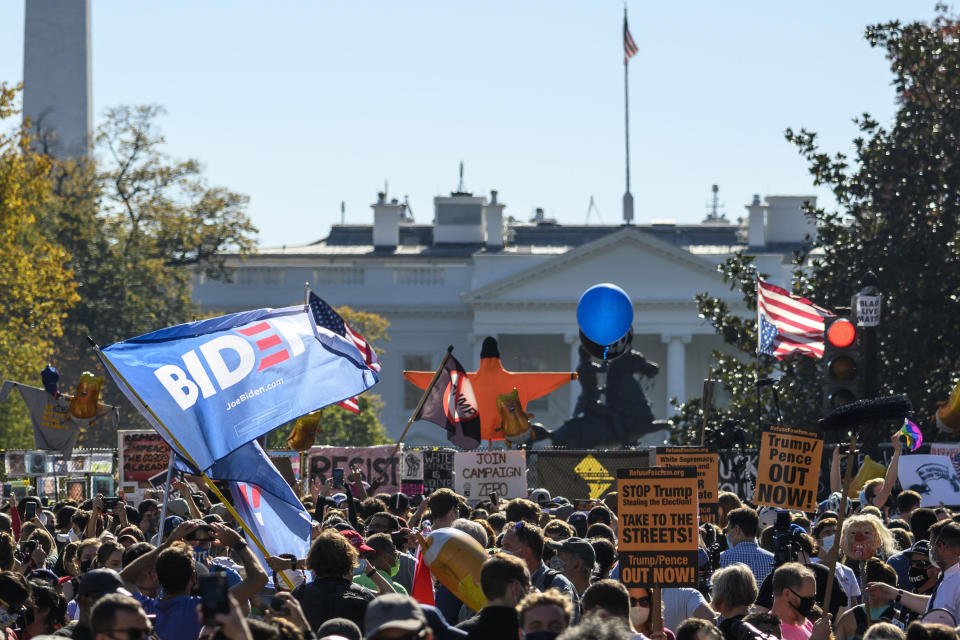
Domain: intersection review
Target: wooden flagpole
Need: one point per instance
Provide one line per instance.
(423, 398)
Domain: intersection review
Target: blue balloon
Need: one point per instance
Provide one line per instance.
(605, 313)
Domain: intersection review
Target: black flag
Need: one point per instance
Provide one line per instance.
(452, 404)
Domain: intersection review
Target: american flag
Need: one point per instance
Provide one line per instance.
(629, 46)
(788, 324)
(326, 317)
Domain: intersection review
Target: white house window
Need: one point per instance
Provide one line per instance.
(417, 276)
(259, 276)
(338, 275)
(412, 393)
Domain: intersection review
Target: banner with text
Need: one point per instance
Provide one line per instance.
(788, 469)
(707, 463)
(143, 454)
(658, 539)
(437, 470)
(477, 474)
(376, 464)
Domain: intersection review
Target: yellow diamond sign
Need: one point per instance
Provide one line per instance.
(595, 475)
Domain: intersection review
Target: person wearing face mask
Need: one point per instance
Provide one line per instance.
(87, 554)
(504, 580)
(838, 597)
(576, 559)
(45, 614)
(544, 616)
(384, 559)
(922, 577)
(794, 598)
(853, 623)
(609, 601)
(945, 554)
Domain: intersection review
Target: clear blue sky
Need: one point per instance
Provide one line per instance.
(303, 104)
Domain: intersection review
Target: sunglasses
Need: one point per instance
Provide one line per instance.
(640, 602)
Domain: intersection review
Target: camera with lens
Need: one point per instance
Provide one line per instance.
(786, 539)
(745, 631)
(25, 550)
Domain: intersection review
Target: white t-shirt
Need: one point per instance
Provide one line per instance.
(847, 579)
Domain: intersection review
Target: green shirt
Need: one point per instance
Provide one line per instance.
(364, 581)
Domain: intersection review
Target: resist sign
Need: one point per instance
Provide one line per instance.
(788, 469)
(707, 463)
(658, 526)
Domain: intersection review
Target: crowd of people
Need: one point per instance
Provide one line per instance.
(105, 570)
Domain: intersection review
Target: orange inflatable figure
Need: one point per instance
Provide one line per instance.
(304, 431)
(85, 403)
(491, 380)
(455, 559)
(514, 421)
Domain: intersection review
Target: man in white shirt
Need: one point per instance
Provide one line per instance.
(945, 553)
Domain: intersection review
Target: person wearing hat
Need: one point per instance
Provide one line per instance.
(396, 616)
(576, 560)
(96, 583)
(922, 577)
(540, 496)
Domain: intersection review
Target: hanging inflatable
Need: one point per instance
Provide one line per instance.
(948, 415)
(304, 431)
(514, 421)
(85, 403)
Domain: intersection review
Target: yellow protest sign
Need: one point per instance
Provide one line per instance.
(788, 469)
(707, 463)
(658, 539)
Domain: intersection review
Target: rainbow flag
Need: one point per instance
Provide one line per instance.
(912, 434)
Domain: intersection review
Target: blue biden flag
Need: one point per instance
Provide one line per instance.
(219, 383)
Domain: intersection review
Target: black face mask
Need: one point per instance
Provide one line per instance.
(917, 576)
(85, 565)
(805, 606)
(541, 635)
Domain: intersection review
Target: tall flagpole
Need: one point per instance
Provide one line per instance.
(627, 197)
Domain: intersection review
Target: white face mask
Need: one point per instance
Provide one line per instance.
(639, 615)
(826, 544)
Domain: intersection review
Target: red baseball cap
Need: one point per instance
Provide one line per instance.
(357, 541)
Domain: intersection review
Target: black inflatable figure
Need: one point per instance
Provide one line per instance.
(626, 415)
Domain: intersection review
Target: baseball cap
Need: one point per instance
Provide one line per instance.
(578, 520)
(147, 504)
(577, 547)
(357, 541)
(540, 496)
(393, 611)
(101, 582)
(920, 546)
(171, 523)
(178, 507)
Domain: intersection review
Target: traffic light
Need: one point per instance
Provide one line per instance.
(842, 363)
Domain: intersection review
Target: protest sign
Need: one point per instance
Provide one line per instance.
(143, 454)
(949, 449)
(437, 470)
(376, 464)
(788, 469)
(707, 463)
(477, 474)
(933, 477)
(658, 538)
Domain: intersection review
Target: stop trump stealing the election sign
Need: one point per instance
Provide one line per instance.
(658, 526)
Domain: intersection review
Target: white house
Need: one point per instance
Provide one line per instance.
(473, 273)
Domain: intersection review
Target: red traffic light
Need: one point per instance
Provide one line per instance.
(841, 333)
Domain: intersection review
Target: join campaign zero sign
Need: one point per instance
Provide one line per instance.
(788, 469)
(477, 474)
(658, 526)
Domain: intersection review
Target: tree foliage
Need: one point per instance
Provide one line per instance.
(139, 226)
(897, 214)
(36, 284)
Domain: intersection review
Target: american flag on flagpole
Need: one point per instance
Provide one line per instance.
(788, 324)
(629, 46)
(326, 317)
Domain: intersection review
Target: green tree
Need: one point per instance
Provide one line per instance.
(897, 214)
(36, 285)
(341, 427)
(140, 226)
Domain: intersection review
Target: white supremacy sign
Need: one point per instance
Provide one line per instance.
(478, 474)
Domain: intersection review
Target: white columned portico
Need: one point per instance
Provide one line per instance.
(676, 366)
